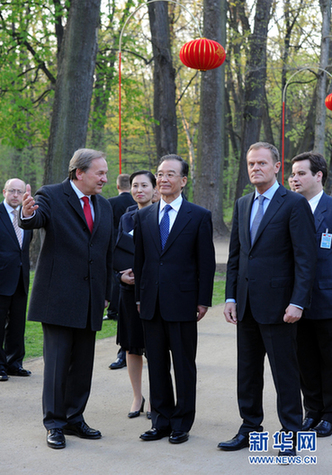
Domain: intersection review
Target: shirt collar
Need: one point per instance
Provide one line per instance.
(270, 192)
(175, 204)
(9, 208)
(315, 200)
(78, 191)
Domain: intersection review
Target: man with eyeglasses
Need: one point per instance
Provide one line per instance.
(174, 270)
(14, 281)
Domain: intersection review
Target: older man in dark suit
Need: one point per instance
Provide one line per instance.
(314, 335)
(174, 270)
(14, 281)
(72, 287)
(270, 273)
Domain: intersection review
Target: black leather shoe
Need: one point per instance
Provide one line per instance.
(309, 423)
(133, 414)
(178, 437)
(323, 429)
(240, 441)
(82, 430)
(120, 362)
(20, 371)
(3, 375)
(154, 434)
(55, 439)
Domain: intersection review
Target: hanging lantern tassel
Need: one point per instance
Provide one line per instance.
(202, 54)
(328, 102)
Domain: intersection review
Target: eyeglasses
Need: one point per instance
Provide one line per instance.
(12, 192)
(170, 176)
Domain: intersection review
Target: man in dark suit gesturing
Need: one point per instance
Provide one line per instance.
(174, 270)
(270, 273)
(72, 287)
(14, 281)
(314, 335)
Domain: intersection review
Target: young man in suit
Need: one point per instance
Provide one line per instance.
(174, 270)
(314, 334)
(72, 287)
(14, 281)
(270, 273)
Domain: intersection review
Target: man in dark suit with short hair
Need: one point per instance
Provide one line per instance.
(14, 281)
(270, 273)
(314, 335)
(72, 286)
(174, 269)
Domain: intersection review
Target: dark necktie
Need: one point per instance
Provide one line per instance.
(258, 218)
(87, 212)
(18, 230)
(164, 226)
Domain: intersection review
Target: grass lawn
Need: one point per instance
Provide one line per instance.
(34, 333)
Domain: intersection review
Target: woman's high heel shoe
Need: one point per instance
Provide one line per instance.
(131, 415)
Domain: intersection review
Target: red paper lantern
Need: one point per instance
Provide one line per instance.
(202, 54)
(328, 102)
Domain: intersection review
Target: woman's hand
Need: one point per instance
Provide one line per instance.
(127, 277)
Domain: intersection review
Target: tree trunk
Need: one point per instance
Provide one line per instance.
(254, 88)
(73, 88)
(319, 146)
(166, 135)
(210, 157)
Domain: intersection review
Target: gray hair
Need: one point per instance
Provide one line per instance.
(81, 160)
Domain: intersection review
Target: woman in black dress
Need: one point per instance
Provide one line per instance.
(130, 330)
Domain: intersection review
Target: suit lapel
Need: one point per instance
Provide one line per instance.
(276, 202)
(73, 199)
(96, 207)
(181, 220)
(320, 212)
(8, 224)
(152, 221)
(247, 213)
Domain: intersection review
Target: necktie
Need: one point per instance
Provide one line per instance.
(164, 226)
(87, 212)
(258, 218)
(18, 230)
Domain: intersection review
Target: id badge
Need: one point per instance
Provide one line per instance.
(326, 240)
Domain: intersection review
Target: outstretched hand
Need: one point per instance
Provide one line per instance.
(28, 204)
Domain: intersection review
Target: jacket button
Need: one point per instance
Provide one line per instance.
(86, 278)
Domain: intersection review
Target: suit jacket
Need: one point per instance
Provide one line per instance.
(12, 257)
(279, 268)
(181, 276)
(119, 205)
(74, 269)
(321, 302)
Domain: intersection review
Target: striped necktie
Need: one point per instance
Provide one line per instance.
(18, 230)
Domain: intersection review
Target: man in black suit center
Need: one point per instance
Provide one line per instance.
(72, 286)
(314, 335)
(174, 269)
(14, 281)
(270, 273)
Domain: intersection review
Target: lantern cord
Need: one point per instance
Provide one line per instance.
(120, 42)
(120, 132)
